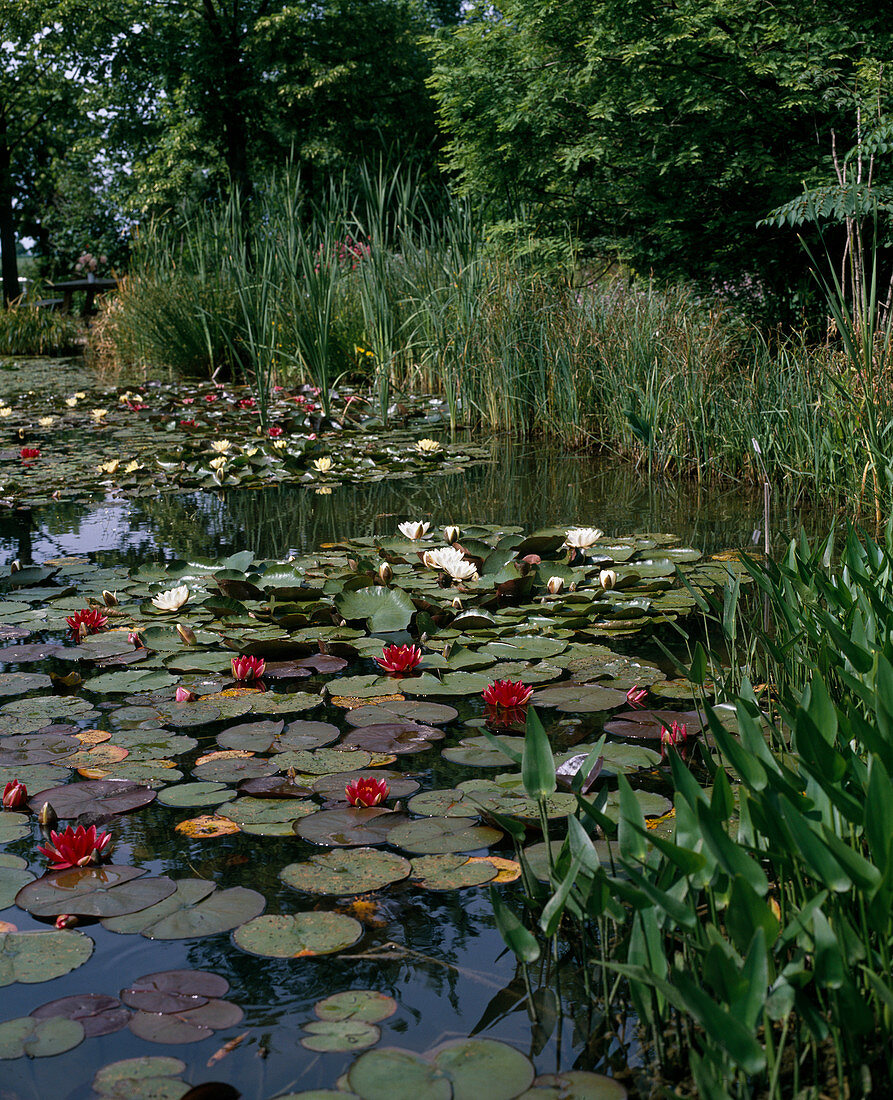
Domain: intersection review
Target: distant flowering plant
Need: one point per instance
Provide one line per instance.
(399, 658)
(366, 791)
(29, 453)
(248, 668)
(247, 403)
(507, 693)
(89, 621)
(75, 847)
(275, 431)
(15, 795)
(187, 423)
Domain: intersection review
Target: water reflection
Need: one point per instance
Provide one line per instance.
(523, 486)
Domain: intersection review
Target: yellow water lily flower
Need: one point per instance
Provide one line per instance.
(218, 463)
(108, 467)
(5, 411)
(132, 467)
(46, 421)
(427, 446)
(323, 464)
(250, 451)
(325, 491)
(221, 446)
(71, 402)
(280, 444)
(80, 395)
(99, 414)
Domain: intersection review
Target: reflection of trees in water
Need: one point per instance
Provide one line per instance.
(522, 486)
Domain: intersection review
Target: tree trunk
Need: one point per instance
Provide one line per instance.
(8, 259)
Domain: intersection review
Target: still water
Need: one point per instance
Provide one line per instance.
(437, 954)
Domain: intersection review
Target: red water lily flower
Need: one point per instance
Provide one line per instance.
(502, 718)
(247, 403)
(636, 696)
(367, 791)
(248, 668)
(209, 397)
(274, 432)
(507, 693)
(75, 847)
(399, 658)
(15, 794)
(30, 452)
(89, 621)
(188, 400)
(673, 737)
(187, 423)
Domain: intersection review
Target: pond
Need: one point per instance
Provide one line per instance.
(422, 941)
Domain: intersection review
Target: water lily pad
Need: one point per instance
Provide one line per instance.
(141, 1079)
(323, 761)
(452, 683)
(233, 769)
(39, 1038)
(94, 892)
(575, 1085)
(94, 796)
(392, 1074)
(129, 681)
(189, 795)
(186, 1025)
(13, 826)
(292, 936)
(12, 879)
(450, 872)
(265, 811)
(439, 835)
(646, 725)
(337, 873)
(18, 683)
(479, 752)
(197, 908)
(356, 1004)
(392, 737)
(451, 802)
(384, 609)
(98, 1013)
(410, 710)
(171, 991)
(579, 698)
(206, 826)
(39, 956)
(353, 827)
(274, 786)
(340, 1035)
(251, 736)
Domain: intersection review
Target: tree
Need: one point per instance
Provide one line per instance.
(664, 130)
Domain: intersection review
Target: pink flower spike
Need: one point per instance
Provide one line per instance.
(636, 696)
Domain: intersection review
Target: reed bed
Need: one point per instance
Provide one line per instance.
(373, 286)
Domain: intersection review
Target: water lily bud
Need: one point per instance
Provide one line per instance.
(47, 816)
(134, 639)
(15, 567)
(385, 572)
(186, 633)
(447, 650)
(555, 585)
(451, 534)
(111, 600)
(457, 603)
(184, 695)
(607, 578)
(352, 564)
(66, 920)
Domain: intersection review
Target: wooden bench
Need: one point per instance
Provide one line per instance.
(92, 287)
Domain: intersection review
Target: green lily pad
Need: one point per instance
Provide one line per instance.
(453, 683)
(12, 879)
(141, 1079)
(340, 1035)
(189, 795)
(39, 1038)
(410, 710)
(337, 873)
(384, 609)
(267, 811)
(356, 1004)
(196, 908)
(13, 826)
(124, 683)
(323, 761)
(234, 769)
(478, 752)
(18, 683)
(292, 936)
(392, 1074)
(39, 956)
(439, 835)
(575, 1085)
(353, 827)
(579, 698)
(94, 892)
(451, 802)
(450, 872)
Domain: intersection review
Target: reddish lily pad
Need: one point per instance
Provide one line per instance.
(292, 936)
(338, 873)
(98, 1013)
(93, 892)
(646, 725)
(174, 990)
(94, 796)
(197, 908)
(394, 737)
(354, 827)
(185, 1026)
(431, 714)
(356, 1004)
(274, 786)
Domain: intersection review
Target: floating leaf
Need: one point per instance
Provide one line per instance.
(39, 1038)
(340, 1035)
(174, 990)
(384, 609)
(450, 872)
(189, 795)
(578, 1084)
(292, 936)
(39, 956)
(357, 871)
(333, 786)
(348, 828)
(94, 892)
(208, 825)
(98, 1013)
(141, 1079)
(197, 908)
(396, 737)
(186, 1026)
(356, 1004)
(431, 714)
(95, 796)
(437, 835)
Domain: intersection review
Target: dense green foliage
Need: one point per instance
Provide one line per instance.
(665, 130)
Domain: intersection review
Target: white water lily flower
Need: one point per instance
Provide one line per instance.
(99, 414)
(71, 402)
(132, 467)
(221, 446)
(172, 600)
(46, 421)
(5, 411)
(555, 585)
(427, 446)
(451, 534)
(414, 529)
(280, 444)
(323, 465)
(108, 467)
(217, 463)
(80, 395)
(451, 561)
(607, 578)
(583, 537)
(249, 452)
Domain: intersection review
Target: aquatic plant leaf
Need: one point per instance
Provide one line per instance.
(579, 699)
(487, 1067)
(189, 795)
(478, 752)
(39, 1038)
(392, 737)
(392, 1074)
(13, 826)
(206, 826)
(94, 892)
(251, 736)
(367, 1005)
(146, 1078)
(451, 802)
(410, 710)
(12, 879)
(340, 1035)
(292, 936)
(333, 785)
(439, 835)
(197, 908)
(233, 769)
(384, 609)
(353, 827)
(98, 1013)
(39, 956)
(265, 811)
(94, 796)
(274, 786)
(338, 873)
(174, 990)
(579, 1084)
(18, 683)
(450, 872)
(187, 1025)
(123, 683)
(647, 724)
(453, 683)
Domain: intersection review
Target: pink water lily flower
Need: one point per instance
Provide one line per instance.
(366, 791)
(75, 847)
(15, 794)
(673, 737)
(636, 696)
(89, 621)
(183, 695)
(399, 658)
(248, 668)
(507, 693)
